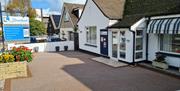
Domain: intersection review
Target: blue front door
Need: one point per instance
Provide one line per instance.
(104, 42)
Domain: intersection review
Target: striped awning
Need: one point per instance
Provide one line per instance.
(164, 26)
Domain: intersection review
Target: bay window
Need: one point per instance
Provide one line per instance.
(91, 36)
(170, 43)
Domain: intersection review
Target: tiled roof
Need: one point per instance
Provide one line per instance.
(70, 7)
(137, 9)
(113, 9)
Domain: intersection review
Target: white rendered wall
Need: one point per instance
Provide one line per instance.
(91, 16)
(46, 47)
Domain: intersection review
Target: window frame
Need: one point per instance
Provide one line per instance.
(87, 28)
(139, 37)
(173, 54)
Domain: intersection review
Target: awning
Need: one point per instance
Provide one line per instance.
(164, 26)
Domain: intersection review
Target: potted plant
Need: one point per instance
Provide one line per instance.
(160, 61)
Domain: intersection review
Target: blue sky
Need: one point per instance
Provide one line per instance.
(53, 5)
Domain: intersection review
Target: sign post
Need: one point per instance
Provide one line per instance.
(2, 27)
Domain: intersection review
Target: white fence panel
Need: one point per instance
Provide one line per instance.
(46, 47)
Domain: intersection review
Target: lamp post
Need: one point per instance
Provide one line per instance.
(2, 27)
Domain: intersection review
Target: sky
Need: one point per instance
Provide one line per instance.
(53, 5)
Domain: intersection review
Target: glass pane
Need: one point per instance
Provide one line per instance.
(139, 32)
(91, 35)
(139, 43)
(114, 44)
(170, 43)
(122, 33)
(139, 55)
(123, 44)
(176, 43)
(122, 55)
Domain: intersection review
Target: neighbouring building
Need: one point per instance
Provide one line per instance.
(143, 30)
(70, 15)
(53, 25)
(39, 14)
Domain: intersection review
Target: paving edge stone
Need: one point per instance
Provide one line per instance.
(2, 82)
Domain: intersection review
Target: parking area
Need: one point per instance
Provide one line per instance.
(76, 71)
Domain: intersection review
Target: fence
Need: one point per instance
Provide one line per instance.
(48, 46)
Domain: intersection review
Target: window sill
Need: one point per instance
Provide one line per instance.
(169, 54)
(91, 45)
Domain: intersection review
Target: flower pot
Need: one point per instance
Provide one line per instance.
(57, 48)
(160, 65)
(36, 49)
(65, 48)
(13, 70)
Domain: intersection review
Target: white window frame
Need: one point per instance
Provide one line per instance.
(159, 47)
(87, 42)
(142, 50)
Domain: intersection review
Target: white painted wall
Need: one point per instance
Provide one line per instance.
(153, 46)
(66, 31)
(46, 47)
(91, 16)
(129, 46)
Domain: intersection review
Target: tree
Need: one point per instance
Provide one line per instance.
(37, 28)
(21, 6)
(24, 8)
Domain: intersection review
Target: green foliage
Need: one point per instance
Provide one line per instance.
(20, 6)
(0, 33)
(22, 54)
(160, 58)
(36, 27)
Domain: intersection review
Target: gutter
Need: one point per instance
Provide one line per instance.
(133, 32)
(147, 40)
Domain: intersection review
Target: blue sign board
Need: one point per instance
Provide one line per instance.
(13, 33)
(16, 28)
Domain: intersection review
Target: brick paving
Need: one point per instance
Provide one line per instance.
(75, 71)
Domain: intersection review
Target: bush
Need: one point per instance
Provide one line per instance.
(37, 28)
(160, 58)
(22, 54)
(19, 54)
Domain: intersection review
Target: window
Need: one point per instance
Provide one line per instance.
(139, 44)
(122, 45)
(66, 17)
(91, 35)
(170, 43)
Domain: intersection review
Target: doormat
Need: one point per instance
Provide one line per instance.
(110, 62)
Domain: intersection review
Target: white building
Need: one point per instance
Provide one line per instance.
(70, 15)
(96, 17)
(142, 31)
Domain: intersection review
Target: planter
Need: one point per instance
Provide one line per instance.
(36, 49)
(160, 65)
(13, 70)
(57, 48)
(65, 48)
